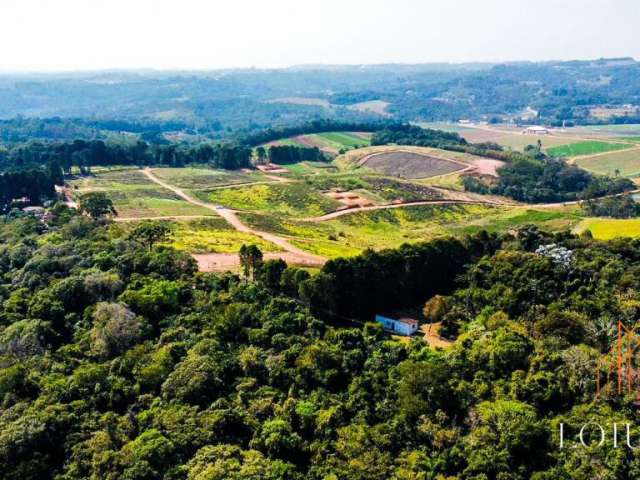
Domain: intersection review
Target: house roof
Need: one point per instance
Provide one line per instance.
(409, 321)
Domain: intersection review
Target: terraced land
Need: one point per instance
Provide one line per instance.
(626, 162)
(591, 147)
(410, 165)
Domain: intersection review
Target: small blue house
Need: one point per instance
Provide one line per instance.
(403, 326)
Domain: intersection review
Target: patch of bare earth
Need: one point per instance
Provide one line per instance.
(487, 166)
(349, 199)
(432, 336)
(222, 262)
(407, 164)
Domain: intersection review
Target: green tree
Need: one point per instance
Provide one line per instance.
(149, 233)
(97, 205)
(250, 260)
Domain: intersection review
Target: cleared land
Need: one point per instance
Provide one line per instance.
(626, 162)
(134, 195)
(292, 199)
(330, 142)
(410, 165)
(316, 102)
(274, 211)
(214, 235)
(374, 106)
(591, 147)
(203, 178)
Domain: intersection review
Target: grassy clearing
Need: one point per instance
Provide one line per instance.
(344, 139)
(351, 234)
(519, 142)
(614, 130)
(331, 142)
(308, 168)
(291, 199)
(591, 147)
(134, 195)
(608, 228)
(627, 162)
(203, 178)
(213, 235)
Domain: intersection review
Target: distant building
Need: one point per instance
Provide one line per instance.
(403, 326)
(536, 130)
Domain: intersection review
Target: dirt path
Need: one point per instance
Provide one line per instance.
(573, 160)
(432, 336)
(457, 198)
(340, 213)
(294, 254)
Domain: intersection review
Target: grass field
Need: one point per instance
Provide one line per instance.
(330, 142)
(213, 235)
(627, 162)
(291, 199)
(591, 147)
(203, 178)
(134, 195)
(351, 234)
(608, 228)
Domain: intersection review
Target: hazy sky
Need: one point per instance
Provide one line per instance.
(201, 34)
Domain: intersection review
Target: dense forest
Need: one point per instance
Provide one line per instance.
(119, 361)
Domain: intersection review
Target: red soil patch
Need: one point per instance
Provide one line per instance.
(224, 262)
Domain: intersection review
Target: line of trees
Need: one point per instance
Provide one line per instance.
(84, 154)
(286, 154)
(362, 286)
(315, 126)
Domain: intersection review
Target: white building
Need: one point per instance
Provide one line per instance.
(403, 326)
(536, 130)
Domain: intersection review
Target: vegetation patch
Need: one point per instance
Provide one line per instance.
(213, 235)
(203, 178)
(292, 199)
(625, 163)
(591, 147)
(608, 228)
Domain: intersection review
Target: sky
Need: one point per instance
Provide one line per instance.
(64, 35)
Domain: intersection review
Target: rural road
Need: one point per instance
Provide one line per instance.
(293, 253)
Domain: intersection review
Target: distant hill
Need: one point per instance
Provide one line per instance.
(225, 100)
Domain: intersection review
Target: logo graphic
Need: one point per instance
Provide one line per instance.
(618, 372)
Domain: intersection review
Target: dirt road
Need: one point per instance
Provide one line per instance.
(293, 254)
(340, 213)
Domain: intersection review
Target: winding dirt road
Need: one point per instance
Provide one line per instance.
(292, 253)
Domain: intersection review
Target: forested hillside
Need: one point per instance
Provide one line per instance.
(119, 361)
(220, 103)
